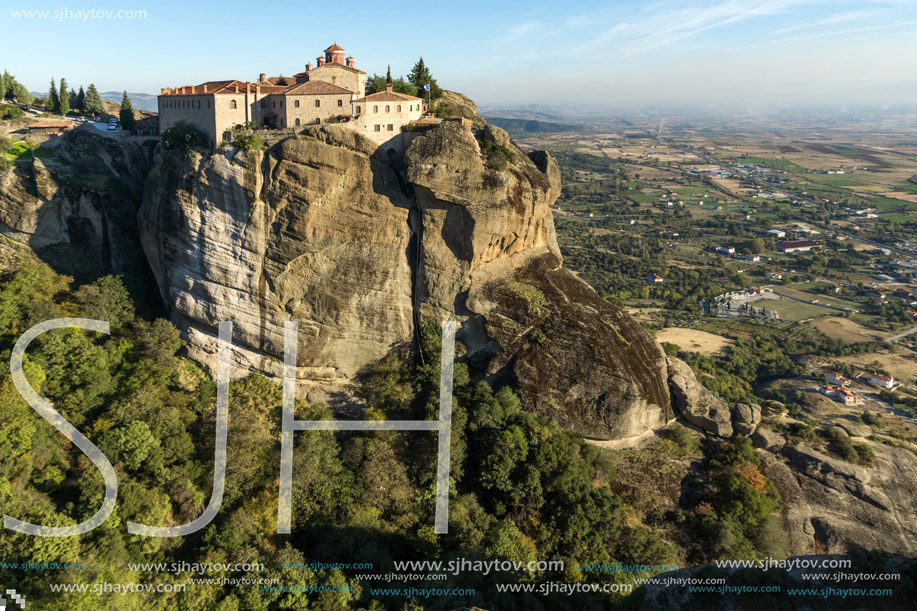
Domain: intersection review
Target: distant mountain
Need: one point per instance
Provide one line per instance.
(140, 101)
(531, 126)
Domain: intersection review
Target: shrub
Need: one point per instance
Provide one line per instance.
(871, 419)
(244, 137)
(9, 111)
(496, 155)
(183, 136)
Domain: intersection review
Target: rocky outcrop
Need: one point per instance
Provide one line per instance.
(745, 418)
(460, 105)
(833, 506)
(361, 245)
(75, 205)
(695, 403)
(704, 409)
(315, 230)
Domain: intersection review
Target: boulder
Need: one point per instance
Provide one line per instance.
(766, 439)
(745, 418)
(695, 403)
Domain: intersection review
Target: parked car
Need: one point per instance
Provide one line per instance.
(112, 127)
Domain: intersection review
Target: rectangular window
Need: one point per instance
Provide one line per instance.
(391, 127)
(378, 127)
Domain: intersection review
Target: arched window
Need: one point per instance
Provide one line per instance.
(232, 104)
(388, 108)
(318, 103)
(411, 108)
(297, 121)
(340, 103)
(198, 104)
(398, 108)
(296, 104)
(375, 109)
(358, 110)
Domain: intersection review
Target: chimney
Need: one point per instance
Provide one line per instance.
(235, 87)
(205, 88)
(258, 89)
(248, 88)
(262, 77)
(308, 66)
(320, 60)
(162, 91)
(388, 87)
(334, 80)
(351, 61)
(192, 89)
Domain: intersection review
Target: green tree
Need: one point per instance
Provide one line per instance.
(388, 75)
(126, 114)
(79, 101)
(420, 76)
(17, 90)
(64, 98)
(52, 104)
(93, 104)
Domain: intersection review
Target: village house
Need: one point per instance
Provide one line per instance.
(833, 378)
(882, 381)
(333, 89)
(652, 278)
(800, 246)
(724, 250)
(842, 395)
(749, 258)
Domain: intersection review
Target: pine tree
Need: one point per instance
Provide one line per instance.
(93, 102)
(6, 84)
(52, 104)
(64, 98)
(420, 76)
(126, 115)
(80, 101)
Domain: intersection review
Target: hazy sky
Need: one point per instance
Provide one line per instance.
(498, 52)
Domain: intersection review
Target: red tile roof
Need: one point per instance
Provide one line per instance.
(389, 96)
(334, 47)
(328, 65)
(50, 123)
(316, 88)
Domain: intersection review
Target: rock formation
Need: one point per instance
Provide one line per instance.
(359, 245)
(75, 204)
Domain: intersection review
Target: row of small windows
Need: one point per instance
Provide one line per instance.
(389, 108)
(185, 103)
(379, 127)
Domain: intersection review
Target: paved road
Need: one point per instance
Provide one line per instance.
(900, 335)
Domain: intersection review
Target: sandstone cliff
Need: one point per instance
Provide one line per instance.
(75, 205)
(361, 244)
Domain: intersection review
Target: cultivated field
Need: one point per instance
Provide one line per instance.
(693, 340)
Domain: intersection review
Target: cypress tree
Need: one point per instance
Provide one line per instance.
(127, 113)
(93, 103)
(52, 104)
(388, 76)
(64, 98)
(420, 76)
(80, 102)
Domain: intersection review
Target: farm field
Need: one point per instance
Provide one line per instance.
(844, 329)
(694, 340)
